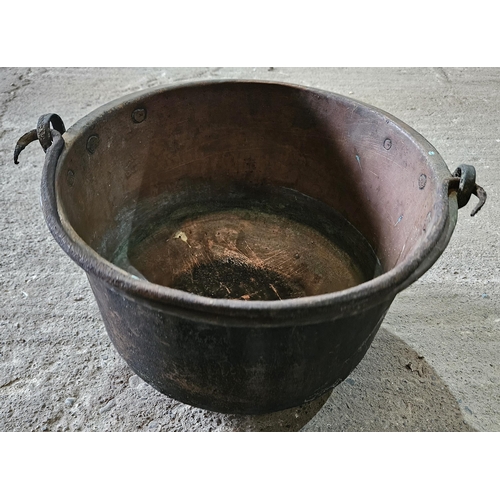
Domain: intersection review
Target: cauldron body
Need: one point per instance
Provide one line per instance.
(153, 147)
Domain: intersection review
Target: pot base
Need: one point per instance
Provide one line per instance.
(267, 244)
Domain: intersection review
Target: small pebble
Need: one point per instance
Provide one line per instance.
(69, 402)
(485, 296)
(108, 406)
(154, 426)
(134, 381)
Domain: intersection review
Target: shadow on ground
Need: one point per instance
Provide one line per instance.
(392, 389)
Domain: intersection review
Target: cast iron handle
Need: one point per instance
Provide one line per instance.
(463, 182)
(42, 132)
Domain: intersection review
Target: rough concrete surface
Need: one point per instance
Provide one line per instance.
(434, 366)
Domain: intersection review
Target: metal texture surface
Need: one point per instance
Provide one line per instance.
(42, 132)
(244, 356)
(467, 187)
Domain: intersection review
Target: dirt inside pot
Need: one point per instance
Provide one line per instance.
(259, 244)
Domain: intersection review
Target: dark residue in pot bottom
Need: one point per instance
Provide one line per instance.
(234, 280)
(263, 244)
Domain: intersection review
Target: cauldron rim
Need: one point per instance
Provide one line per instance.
(304, 310)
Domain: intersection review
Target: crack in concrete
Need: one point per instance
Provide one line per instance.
(442, 76)
(9, 383)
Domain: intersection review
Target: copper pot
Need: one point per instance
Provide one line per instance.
(245, 239)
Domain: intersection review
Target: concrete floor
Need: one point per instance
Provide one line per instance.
(58, 370)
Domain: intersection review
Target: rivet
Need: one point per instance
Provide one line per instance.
(422, 181)
(139, 115)
(92, 143)
(387, 144)
(70, 178)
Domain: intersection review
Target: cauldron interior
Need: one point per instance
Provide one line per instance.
(214, 140)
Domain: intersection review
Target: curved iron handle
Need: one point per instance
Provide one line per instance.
(463, 182)
(42, 132)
